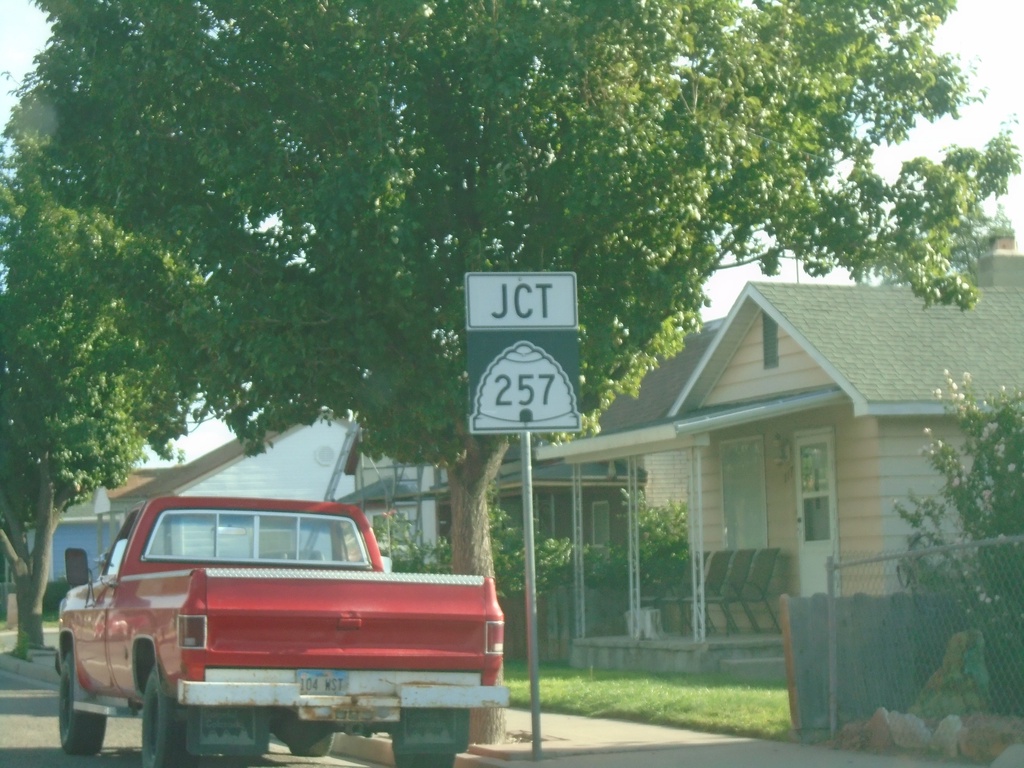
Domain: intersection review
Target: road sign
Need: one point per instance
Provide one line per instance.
(523, 352)
(525, 388)
(524, 373)
(505, 300)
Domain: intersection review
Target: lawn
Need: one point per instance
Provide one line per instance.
(709, 703)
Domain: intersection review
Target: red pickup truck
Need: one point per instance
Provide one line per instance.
(226, 620)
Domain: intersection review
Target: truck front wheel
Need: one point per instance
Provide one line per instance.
(81, 733)
(164, 735)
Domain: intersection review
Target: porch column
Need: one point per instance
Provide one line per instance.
(696, 511)
(633, 525)
(579, 587)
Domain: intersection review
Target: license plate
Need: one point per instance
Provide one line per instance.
(322, 682)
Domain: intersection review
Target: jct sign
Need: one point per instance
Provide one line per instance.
(523, 352)
(505, 300)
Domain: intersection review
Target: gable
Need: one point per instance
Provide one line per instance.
(880, 345)
(766, 364)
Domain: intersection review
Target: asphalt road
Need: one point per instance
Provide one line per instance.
(29, 736)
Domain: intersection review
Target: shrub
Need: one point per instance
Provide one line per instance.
(982, 497)
(664, 549)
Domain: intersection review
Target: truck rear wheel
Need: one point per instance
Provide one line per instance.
(164, 735)
(81, 733)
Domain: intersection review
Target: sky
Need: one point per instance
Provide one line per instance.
(981, 32)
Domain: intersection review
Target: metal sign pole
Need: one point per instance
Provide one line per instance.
(526, 457)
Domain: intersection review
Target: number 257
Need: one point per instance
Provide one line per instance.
(525, 387)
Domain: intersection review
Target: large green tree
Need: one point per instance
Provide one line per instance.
(333, 169)
(81, 391)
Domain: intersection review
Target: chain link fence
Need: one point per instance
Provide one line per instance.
(930, 631)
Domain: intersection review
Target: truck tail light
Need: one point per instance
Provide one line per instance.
(494, 639)
(191, 631)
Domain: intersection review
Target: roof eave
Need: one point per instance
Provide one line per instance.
(744, 414)
(903, 408)
(650, 439)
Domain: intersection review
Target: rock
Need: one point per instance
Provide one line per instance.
(878, 737)
(908, 731)
(960, 685)
(946, 738)
(984, 738)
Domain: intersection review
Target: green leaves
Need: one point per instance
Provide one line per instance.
(318, 177)
(82, 386)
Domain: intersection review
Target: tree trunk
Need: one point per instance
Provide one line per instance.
(468, 481)
(31, 584)
(30, 610)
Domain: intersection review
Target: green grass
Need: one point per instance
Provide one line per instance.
(709, 703)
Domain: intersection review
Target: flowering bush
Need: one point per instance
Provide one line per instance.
(981, 499)
(983, 488)
(984, 479)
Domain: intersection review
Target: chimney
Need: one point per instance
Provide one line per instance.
(1002, 266)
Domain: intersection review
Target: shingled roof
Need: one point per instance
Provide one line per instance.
(660, 387)
(881, 344)
(892, 348)
(147, 483)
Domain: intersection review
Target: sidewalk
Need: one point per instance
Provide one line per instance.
(583, 741)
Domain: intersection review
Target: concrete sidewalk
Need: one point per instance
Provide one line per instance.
(588, 741)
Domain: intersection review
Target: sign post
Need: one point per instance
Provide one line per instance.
(523, 344)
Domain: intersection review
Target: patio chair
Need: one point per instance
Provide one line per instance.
(735, 578)
(755, 590)
(717, 570)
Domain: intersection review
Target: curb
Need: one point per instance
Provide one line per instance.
(40, 666)
(377, 749)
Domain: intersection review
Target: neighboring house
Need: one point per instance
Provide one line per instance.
(802, 422)
(419, 493)
(305, 462)
(385, 486)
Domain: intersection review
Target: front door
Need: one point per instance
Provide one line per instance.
(816, 508)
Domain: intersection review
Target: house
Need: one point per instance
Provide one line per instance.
(419, 494)
(304, 462)
(801, 424)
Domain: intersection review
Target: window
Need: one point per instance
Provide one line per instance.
(237, 536)
(816, 491)
(770, 341)
(743, 494)
(600, 523)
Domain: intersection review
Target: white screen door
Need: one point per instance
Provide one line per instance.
(816, 508)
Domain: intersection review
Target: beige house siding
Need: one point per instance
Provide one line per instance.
(746, 378)
(856, 482)
(857, 486)
(668, 476)
(903, 446)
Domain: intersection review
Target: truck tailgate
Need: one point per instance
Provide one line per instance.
(291, 618)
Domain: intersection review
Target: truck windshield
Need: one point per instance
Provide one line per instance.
(259, 537)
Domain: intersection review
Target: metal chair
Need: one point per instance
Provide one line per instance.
(717, 568)
(755, 590)
(735, 578)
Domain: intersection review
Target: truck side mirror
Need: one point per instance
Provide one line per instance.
(76, 566)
